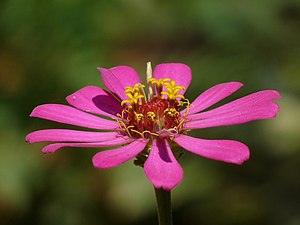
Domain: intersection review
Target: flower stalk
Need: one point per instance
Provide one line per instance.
(164, 209)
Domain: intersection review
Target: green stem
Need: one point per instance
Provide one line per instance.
(164, 210)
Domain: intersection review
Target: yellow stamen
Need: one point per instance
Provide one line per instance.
(138, 117)
(171, 112)
(136, 95)
(172, 90)
(134, 89)
(158, 84)
(123, 127)
(151, 116)
(133, 98)
(143, 133)
(187, 102)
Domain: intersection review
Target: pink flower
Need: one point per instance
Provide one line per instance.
(147, 126)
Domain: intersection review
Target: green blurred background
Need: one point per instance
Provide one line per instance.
(49, 49)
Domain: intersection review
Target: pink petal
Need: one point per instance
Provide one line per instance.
(116, 79)
(64, 135)
(95, 100)
(161, 167)
(112, 158)
(213, 95)
(181, 73)
(252, 107)
(114, 142)
(222, 150)
(69, 115)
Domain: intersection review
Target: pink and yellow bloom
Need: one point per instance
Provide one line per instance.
(151, 121)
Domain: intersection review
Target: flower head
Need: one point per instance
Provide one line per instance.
(147, 119)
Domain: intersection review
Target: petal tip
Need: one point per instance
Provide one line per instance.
(71, 98)
(276, 94)
(242, 160)
(95, 161)
(102, 70)
(245, 156)
(276, 110)
(237, 84)
(41, 109)
(50, 148)
(34, 112)
(46, 151)
(28, 138)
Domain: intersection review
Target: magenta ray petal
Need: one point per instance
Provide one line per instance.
(181, 73)
(161, 167)
(223, 150)
(116, 79)
(252, 107)
(213, 95)
(69, 115)
(95, 100)
(126, 74)
(114, 142)
(111, 158)
(65, 135)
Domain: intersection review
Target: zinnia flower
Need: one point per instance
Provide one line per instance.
(151, 122)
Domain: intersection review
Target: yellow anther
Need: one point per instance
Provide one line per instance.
(135, 89)
(124, 102)
(142, 92)
(172, 90)
(171, 112)
(133, 98)
(187, 102)
(180, 103)
(151, 116)
(172, 96)
(139, 117)
(159, 82)
(135, 94)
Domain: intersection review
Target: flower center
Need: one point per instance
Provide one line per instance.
(156, 115)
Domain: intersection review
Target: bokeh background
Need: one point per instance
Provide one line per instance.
(50, 49)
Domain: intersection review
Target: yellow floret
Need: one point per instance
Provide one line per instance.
(172, 90)
(151, 116)
(134, 94)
